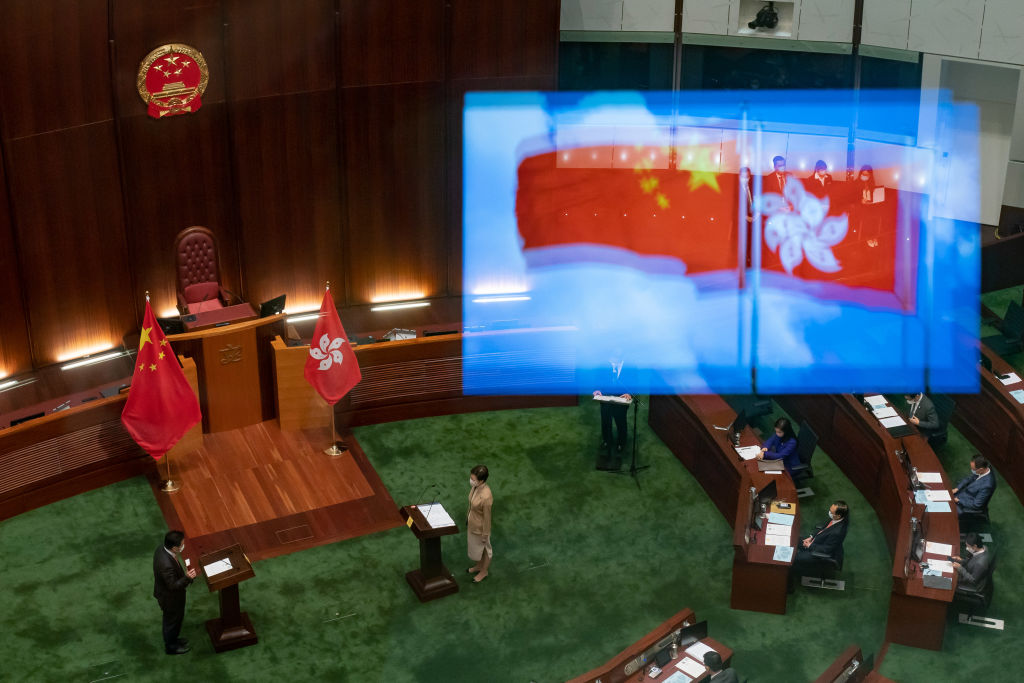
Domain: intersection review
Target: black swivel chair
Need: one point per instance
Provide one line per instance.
(944, 407)
(973, 600)
(1012, 338)
(806, 442)
(974, 520)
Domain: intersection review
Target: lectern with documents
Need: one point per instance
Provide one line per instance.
(429, 523)
(224, 570)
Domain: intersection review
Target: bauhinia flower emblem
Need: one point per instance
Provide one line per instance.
(329, 352)
(798, 226)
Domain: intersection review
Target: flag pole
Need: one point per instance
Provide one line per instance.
(170, 486)
(337, 447)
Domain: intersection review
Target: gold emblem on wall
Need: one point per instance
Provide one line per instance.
(230, 354)
(172, 79)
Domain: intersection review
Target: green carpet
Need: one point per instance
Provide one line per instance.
(585, 564)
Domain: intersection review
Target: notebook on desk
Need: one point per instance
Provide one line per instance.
(941, 582)
(900, 431)
(770, 466)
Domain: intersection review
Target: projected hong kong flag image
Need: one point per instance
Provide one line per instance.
(722, 242)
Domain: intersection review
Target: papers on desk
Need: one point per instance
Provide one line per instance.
(1018, 394)
(690, 667)
(876, 401)
(940, 566)
(783, 553)
(436, 515)
(933, 506)
(1010, 378)
(678, 677)
(780, 518)
(218, 567)
(698, 650)
(938, 548)
(748, 452)
(937, 495)
(777, 529)
(929, 477)
(887, 411)
(890, 422)
(613, 399)
(770, 539)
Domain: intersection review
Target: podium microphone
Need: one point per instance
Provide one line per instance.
(422, 492)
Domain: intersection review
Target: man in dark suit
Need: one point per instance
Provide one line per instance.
(922, 414)
(614, 384)
(775, 182)
(975, 490)
(825, 543)
(820, 182)
(976, 573)
(169, 584)
(719, 674)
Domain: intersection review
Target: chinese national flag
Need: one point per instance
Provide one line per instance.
(161, 405)
(331, 368)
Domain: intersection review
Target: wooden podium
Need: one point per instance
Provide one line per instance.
(232, 629)
(235, 369)
(432, 580)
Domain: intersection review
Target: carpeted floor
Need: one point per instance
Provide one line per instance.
(586, 562)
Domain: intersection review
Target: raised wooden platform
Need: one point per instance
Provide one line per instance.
(273, 492)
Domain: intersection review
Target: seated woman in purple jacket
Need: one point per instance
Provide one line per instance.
(781, 445)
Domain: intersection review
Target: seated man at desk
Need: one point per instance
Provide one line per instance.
(825, 543)
(922, 414)
(781, 445)
(976, 572)
(718, 671)
(975, 490)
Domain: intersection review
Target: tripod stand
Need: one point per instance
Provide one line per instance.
(634, 469)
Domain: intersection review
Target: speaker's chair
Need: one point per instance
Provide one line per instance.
(198, 273)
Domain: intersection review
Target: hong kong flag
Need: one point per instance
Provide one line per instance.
(331, 368)
(161, 405)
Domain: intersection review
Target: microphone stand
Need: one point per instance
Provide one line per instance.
(634, 469)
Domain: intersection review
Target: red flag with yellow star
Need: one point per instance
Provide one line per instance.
(161, 405)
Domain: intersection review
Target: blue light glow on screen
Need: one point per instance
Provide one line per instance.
(613, 227)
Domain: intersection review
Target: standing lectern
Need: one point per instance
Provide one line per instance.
(432, 580)
(224, 570)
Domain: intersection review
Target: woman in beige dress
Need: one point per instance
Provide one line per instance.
(479, 523)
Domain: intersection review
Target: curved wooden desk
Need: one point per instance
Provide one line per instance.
(843, 662)
(866, 454)
(993, 421)
(686, 425)
(613, 671)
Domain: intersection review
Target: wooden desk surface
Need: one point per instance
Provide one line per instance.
(993, 421)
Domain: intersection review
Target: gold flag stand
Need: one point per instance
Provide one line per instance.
(337, 447)
(170, 486)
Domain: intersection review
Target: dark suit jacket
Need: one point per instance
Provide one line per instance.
(725, 676)
(977, 571)
(829, 540)
(973, 493)
(169, 580)
(770, 183)
(816, 187)
(929, 418)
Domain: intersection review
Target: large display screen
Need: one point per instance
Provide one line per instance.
(727, 242)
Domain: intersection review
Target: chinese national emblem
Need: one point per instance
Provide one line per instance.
(171, 80)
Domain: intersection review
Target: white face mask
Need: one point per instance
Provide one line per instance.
(472, 484)
(182, 548)
(829, 513)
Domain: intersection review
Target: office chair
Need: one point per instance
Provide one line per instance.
(977, 601)
(806, 442)
(198, 271)
(974, 520)
(944, 407)
(1012, 338)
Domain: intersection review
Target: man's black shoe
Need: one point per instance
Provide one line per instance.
(183, 642)
(180, 650)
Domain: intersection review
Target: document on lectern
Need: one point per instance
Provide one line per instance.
(436, 515)
(218, 567)
(613, 399)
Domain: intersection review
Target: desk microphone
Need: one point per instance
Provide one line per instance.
(422, 492)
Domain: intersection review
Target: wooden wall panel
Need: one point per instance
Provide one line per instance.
(286, 163)
(394, 164)
(14, 346)
(503, 38)
(70, 232)
(276, 47)
(177, 170)
(391, 41)
(54, 65)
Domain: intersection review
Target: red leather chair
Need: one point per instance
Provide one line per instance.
(195, 253)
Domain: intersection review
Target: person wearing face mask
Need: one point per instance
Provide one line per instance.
(922, 414)
(781, 445)
(866, 183)
(820, 182)
(975, 490)
(775, 182)
(169, 584)
(478, 526)
(974, 575)
(825, 543)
